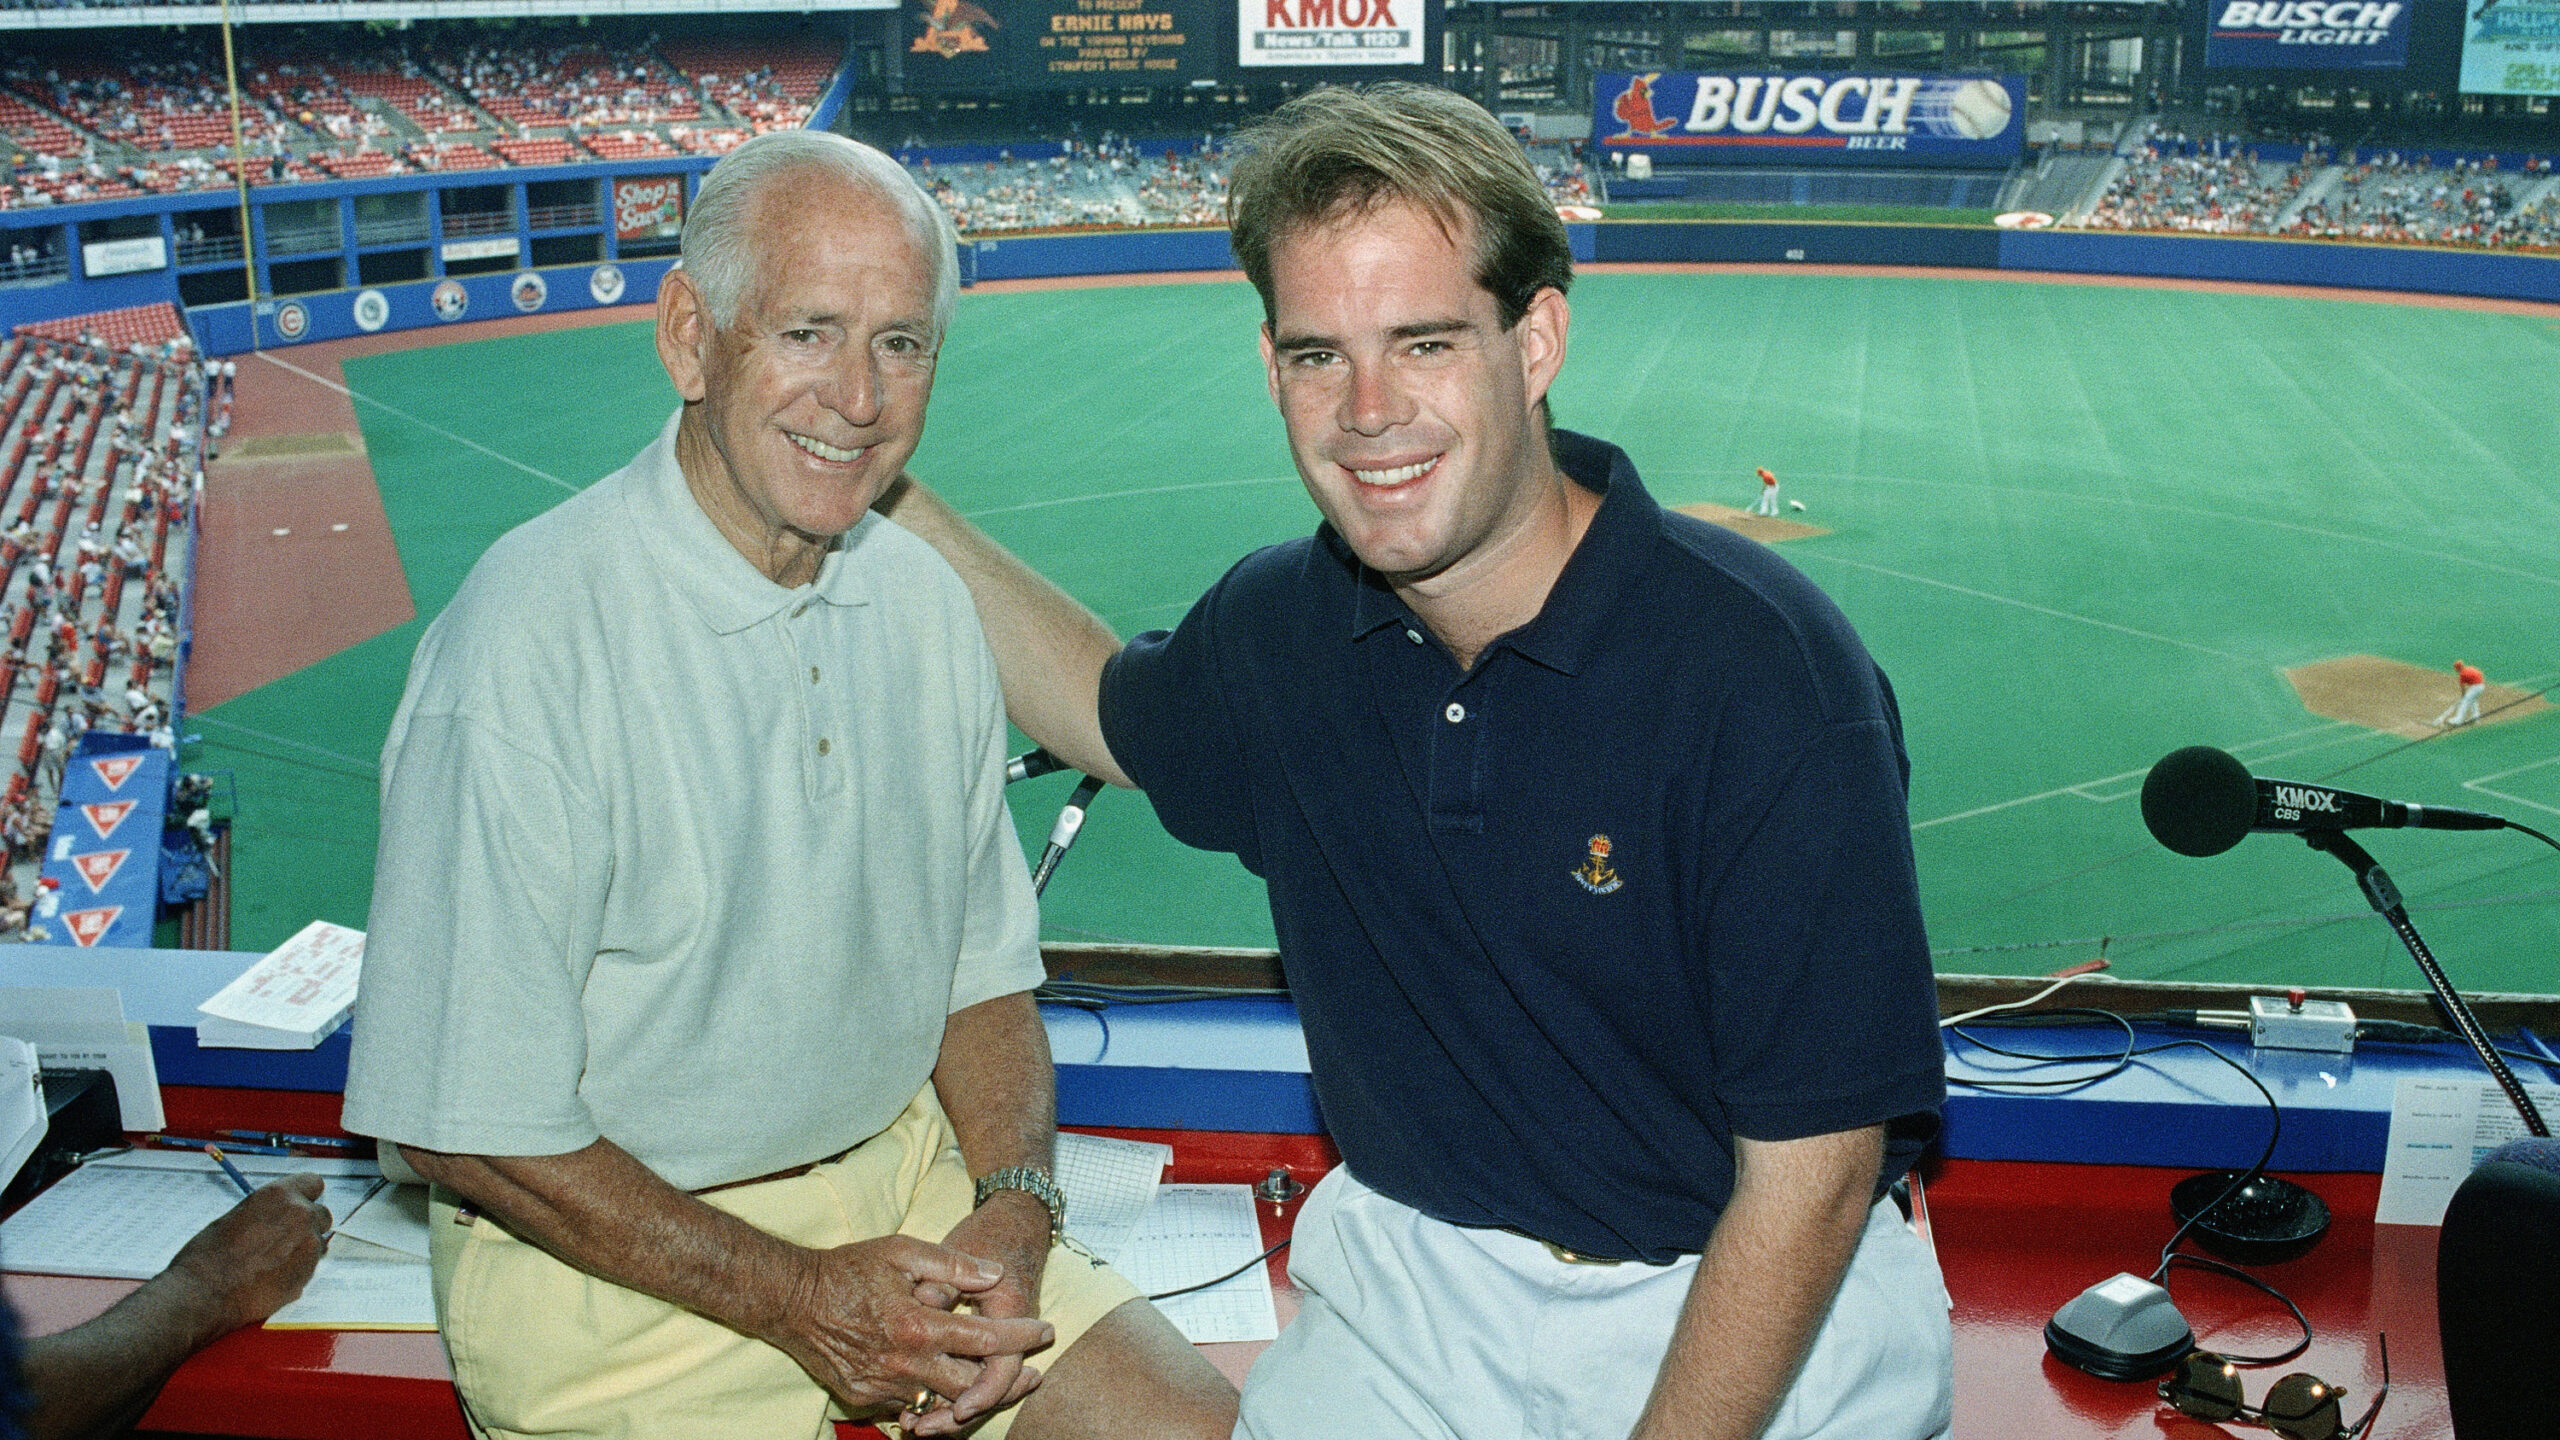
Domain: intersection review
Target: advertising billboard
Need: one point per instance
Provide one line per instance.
(2306, 35)
(1059, 44)
(1782, 119)
(645, 207)
(2511, 47)
(1287, 33)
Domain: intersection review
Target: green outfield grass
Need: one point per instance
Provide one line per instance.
(2079, 525)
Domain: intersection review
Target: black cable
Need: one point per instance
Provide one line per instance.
(2116, 1062)
(1070, 991)
(2275, 1131)
(2536, 834)
(1223, 1279)
(2253, 1282)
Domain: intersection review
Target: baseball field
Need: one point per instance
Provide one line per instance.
(2079, 524)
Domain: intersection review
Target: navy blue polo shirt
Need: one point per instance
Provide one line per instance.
(1561, 926)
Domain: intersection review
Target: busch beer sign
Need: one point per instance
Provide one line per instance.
(1329, 32)
(2306, 35)
(1814, 119)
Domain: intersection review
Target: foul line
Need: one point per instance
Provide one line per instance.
(371, 769)
(2030, 605)
(2482, 785)
(2082, 788)
(464, 441)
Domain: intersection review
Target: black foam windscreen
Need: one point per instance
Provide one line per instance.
(2199, 801)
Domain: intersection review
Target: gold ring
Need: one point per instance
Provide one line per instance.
(923, 1401)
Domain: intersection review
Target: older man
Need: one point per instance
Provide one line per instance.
(701, 942)
(1583, 825)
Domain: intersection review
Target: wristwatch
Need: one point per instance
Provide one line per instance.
(1031, 1181)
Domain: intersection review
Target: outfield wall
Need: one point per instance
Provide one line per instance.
(606, 275)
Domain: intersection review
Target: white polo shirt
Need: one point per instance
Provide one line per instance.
(679, 858)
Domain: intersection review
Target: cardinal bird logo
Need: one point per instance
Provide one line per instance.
(1634, 109)
(951, 28)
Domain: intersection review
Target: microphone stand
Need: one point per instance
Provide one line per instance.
(2385, 899)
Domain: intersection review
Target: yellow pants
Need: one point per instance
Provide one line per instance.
(542, 1349)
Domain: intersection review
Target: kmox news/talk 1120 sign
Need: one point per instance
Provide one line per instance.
(1367, 33)
(1762, 119)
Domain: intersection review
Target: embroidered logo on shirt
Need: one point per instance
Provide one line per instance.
(1594, 874)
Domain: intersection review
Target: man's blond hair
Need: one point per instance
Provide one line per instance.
(1340, 152)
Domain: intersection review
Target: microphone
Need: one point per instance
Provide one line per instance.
(2201, 801)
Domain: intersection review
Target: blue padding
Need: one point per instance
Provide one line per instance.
(2184, 1108)
(104, 857)
(1726, 242)
(2434, 271)
(1259, 1102)
(1117, 253)
(1196, 1065)
(183, 1062)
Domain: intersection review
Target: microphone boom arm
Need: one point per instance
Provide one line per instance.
(2384, 896)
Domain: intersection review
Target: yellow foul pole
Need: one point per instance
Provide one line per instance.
(240, 173)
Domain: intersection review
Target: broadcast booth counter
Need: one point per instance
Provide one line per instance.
(2031, 1196)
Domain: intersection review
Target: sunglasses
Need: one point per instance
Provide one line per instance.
(2206, 1386)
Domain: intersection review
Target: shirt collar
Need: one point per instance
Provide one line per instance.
(1612, 551)
(728, 592)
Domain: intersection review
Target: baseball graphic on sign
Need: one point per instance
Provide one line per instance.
(1980, 109)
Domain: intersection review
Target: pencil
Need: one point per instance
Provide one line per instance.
(231, 1170)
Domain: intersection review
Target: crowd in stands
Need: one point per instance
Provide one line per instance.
(2466, 203)
(109, 118)
(2219, 184)
(103, 460)
(1105, 182)
(2227, 194)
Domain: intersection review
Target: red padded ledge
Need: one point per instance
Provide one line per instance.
(2017, 1240)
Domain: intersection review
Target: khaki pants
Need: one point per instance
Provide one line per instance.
(542, 1349)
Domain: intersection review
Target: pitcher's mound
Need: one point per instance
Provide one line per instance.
(1764, 528)
(2399, 699)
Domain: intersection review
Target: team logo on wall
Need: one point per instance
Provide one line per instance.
(529, 291)
(114, 770)
(604, 283)
(292, 321)
(104, 817)
(450, 300)
(98, 867)
(373, 310)
(1594, 873)
(89, 926)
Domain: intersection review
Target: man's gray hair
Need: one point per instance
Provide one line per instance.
(719, 250)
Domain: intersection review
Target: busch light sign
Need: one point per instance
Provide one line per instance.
(2306, 35)
(1885, 120)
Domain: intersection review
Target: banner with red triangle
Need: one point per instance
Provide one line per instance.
(115, 769)
(105, 817)
(89, 926)
(99, 866)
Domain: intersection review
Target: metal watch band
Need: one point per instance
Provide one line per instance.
(1033, 1182)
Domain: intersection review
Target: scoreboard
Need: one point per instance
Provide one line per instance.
(1059, 44)
(991, 45)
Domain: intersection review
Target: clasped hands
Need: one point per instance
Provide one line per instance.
(880, 1321)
